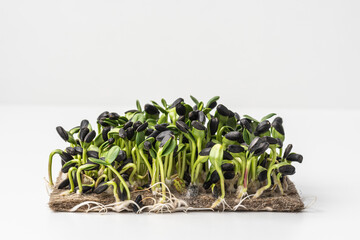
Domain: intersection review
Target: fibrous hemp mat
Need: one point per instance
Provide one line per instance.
(270, 200)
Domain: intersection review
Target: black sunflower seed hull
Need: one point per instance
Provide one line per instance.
(142, 127)
(127, 125)
(85, 188)
(222, 110)
(161, 127)
(262, 147)
(246, 124)
(64, 184)
(147, 145)
(176, 102)
(287, 170)
(83, 133)
(71, 151)
(262, 127)
(205, 152)
(229, 175)
(294, 157)
(227, 167)
(151, 109)
(101, 188)
(193, 115)
(198, 125)
(201, 117)
(233, 136)
(214, 178)
(79, 150)
(138, 201)
(277, 125)
(262, 176)
(287, 150)
(121, 156)
(84, 124)
(210, 144)
(180, 109)
(165, 140)
(207, 185)
(90, 136)
(105, 132)
(214, 124)
(122, 133)
(93, 154)
(149, 131)
(227, 156)
(182, 126)
(114, 116)
(103, 115)
(235, 149)
(136, 124)
(212, 105)
(130, 133)
(63, 133)
(103, 123)
(65, 157)
(66, 169)
(271, 140)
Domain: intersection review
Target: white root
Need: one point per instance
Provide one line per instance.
(243, 198)
(221, 201)
(87, 203)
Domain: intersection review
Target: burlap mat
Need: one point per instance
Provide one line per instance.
(269, 201)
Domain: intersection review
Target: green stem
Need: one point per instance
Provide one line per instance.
(57, 151)
(72, 185)
(162, 174)
(121, 180)
(112, 183)
(145, 159)
(131, 177)
(170, 167)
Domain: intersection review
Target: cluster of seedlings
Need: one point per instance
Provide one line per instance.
(179, 146)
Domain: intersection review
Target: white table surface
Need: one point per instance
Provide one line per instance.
(328, 140)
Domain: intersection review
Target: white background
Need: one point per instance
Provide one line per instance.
(63, 61)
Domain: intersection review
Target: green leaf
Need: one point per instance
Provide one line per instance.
(246, 136)
(138, 106)
(164, 103)
(138, 117)
(98, 140)
(68, 163)
(231, 122)
(213, 99)
(200, 106)
(194, 100)
(113, 133)
(216, 155)
(207, 110)
(112, 154)
(98, 161)
(140, 137)
(268, 116)
(122, 120)
(181, 147)
(251, 118)
(152, 153)
(169, 147)
(88, 166)
(188, 109)
(111, 122)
